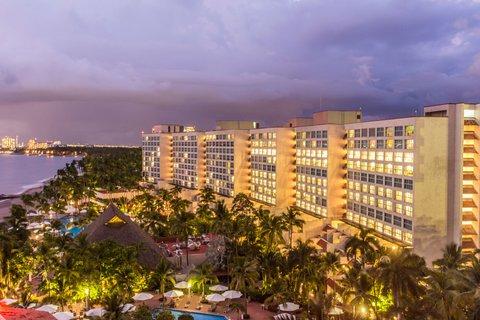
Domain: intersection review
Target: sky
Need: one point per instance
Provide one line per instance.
(103, 71)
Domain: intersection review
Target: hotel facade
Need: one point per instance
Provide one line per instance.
(414, 181)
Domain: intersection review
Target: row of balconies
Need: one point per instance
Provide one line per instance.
(470, 223)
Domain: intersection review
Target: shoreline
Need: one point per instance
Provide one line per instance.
(6, 203)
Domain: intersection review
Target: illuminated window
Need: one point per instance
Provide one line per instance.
(408, 157)
(380, 191)
(409, 144)
(389, 193)
(408, 211)
(407, 237)
(398, 156)
(409, 130)
(397, 234)
(398, 195)
(408, 171)
(469, 113)
(380, 203)
(399, 208)
(408, 197)
(398, 169)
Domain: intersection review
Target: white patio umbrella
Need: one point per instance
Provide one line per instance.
(218, 288)
(128, 307)
(182, 285)
(288, 307)
(63, 316)
(95, 312)
(335, 311)
(8, 301)
(173, 294)
(50, 308)
(232, 294)
(142, 296)
(215, 297)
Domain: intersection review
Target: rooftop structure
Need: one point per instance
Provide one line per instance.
(114, 225)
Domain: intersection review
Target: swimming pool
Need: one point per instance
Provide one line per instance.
(73, 231)
(196, 315)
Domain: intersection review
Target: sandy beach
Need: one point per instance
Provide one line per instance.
(6, 204)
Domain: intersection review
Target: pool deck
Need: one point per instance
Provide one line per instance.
(188, 303)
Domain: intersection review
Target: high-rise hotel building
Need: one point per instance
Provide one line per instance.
(273, 166)
(414, 181)
(227, 169)
(397, 176)
(157, 152)
(188, 159)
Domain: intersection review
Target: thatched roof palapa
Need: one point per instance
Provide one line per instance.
(118, 227)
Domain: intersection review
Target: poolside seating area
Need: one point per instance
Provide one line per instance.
(196, 245)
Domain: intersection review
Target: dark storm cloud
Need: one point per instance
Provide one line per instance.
(92, 71)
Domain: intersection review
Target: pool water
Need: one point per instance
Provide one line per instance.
(73, 231)
(196, 315)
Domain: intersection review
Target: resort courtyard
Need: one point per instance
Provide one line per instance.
(71, 252)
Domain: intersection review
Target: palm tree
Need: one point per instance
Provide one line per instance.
(452, 259)
(113, 302)
(162, 276)
(181, 224)
(356, 291)
(443, 296)
(203, 276)
(242, 204)
(223, 218)
(206, 196)
(271, 229)
(400, 273)
(65, 279)
(469, 283)
(244, 274)
(362, 244)
(292, 219)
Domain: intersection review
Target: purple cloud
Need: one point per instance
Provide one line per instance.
(92, 71)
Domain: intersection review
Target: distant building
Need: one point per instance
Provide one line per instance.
(9, 143)
(33, 144)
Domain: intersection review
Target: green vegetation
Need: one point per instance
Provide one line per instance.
(108, 169)
(254, 248)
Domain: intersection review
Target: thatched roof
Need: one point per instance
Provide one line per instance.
(116, 226)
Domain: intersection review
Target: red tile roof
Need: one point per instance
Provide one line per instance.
(9, 313)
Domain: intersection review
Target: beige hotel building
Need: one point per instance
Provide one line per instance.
(414, 181)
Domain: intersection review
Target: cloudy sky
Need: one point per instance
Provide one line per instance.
(102, 71)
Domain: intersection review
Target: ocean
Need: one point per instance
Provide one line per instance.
(19, 172)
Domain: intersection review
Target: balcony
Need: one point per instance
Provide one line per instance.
(469, 203)
(469, 149)
(469, 177)
(469, 230)
(469, 163)
(470, 136)
(468, 244)
(469, 190)
(469, 216)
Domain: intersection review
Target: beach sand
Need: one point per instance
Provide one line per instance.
(5, 205)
